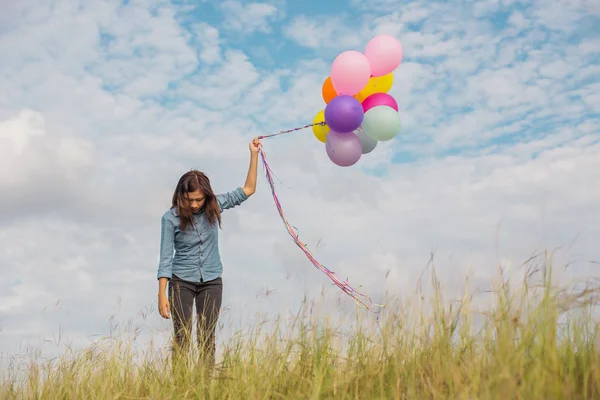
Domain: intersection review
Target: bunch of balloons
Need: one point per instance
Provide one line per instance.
(359, 112)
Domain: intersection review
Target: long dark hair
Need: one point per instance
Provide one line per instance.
(190, 182)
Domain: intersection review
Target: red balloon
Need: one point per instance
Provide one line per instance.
(379, 99)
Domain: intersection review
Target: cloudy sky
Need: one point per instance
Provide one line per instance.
(105, 104)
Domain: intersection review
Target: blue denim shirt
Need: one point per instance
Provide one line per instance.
(196, 249)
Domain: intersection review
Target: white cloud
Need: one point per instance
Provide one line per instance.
(34, 162)
(590, 46)
(518, 20)
(208, 39)
(558, 70)
(224, 85)
(325, 32)
(250, 17)
(156, 42)
(564, 16)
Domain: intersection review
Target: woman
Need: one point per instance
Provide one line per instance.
(190, 230)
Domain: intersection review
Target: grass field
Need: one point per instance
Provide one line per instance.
(534, 340)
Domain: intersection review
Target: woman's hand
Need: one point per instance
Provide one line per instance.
(255, 145)
(164, 308)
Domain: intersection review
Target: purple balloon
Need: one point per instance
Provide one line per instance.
(344, 114)
(344, 149)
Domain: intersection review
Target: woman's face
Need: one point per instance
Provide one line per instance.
(195, 200)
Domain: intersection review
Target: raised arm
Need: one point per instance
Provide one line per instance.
(250, 185)
(241, 194)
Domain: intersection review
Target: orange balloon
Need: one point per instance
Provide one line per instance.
(328, 91)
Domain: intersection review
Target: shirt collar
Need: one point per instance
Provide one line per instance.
(176, 213)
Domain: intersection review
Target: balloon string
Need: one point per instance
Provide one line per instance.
(360, 299)
(291, 130)
(297, 129)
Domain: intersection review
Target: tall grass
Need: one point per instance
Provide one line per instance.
(534, 340)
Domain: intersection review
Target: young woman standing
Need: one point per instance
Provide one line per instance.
(189, 256)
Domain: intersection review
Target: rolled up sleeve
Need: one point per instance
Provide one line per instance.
(231, 199)
(167, 235)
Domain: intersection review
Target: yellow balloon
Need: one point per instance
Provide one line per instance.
(320, 131)
(377, 84)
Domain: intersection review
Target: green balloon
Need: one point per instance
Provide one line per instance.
(381, 123)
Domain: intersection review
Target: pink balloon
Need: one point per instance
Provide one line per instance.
(379, 99)
(384, 53)
(350, 72)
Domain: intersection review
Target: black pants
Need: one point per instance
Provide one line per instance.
(208, 297)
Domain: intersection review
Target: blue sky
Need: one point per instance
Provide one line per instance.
(104, 104)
